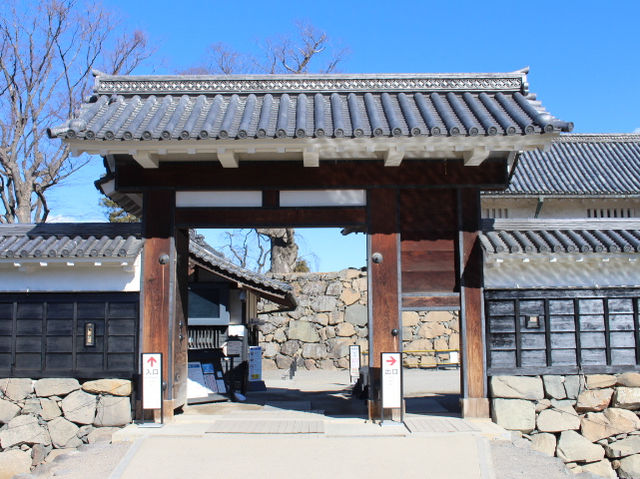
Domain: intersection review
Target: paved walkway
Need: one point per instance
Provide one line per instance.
(288, 432)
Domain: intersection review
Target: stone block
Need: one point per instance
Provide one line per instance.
(454, 341)
(599, 381)
(31, 406)
(630, 379)
(554, 386)
(24, 429)
(16, 389)
(572, 447)
(314, 351)
(14, 462)
(283, 362)
(269, 350)
(279, 336)
(339, 347)
(517, 387)
(112, 411)
(61, 431)
(53, 455)
(323, 304)
(290, 347)
(56, 386)
(595, 426)
(269, 365)
(431, 330)
(410, 318)
(38, 453)
(345, 330)
(439, 316)
(334, 288)
(626, 398)
(79, 407)
(8, 411)
(303, 331)
(101, 434)
(544, 443)
(514, 414)
(594, 400)
(542, 404)
(630, 467)
(115, 387)
(356, 314)
(349, 296)
(310, 364)
(572, 385)
(558, 420)
(85, 430)
(623, 448)
(362, 332)
(601, 468)
(343, 363)
(419, 345)
(320, 318)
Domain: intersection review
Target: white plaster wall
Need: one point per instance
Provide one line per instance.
(558, 208)
(58, 277)
(567, 270)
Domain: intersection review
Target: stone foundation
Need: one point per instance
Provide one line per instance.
(591, 422)
(332, 315)
(40, 419)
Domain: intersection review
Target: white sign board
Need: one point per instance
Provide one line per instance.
(255, 363)
(151, 380)
(354, 362)
(391, 380)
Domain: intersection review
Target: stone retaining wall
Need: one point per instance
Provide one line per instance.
(591, 422)
(332, 315)
(40, 419)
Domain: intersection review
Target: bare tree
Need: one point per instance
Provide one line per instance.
(47, 52)
(308, 49)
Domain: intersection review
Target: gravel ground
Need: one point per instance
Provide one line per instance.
(91, 461)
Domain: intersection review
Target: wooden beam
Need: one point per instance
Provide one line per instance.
(310, 158)
(475, 157)
(474, 394)
(144, 159)
(131, 177)
(411, 302)
(384, 292)
(157, 228)
(270, 217)
(228, 158)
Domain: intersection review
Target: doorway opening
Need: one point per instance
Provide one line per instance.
(303, 349)
(431, 362)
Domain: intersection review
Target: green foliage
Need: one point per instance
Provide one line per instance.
(115, 213)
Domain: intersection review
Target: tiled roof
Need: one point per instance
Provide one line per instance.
(309, 106)
(560, 236)
(281, 292)
(96, 241)
(69, 241)
(580, 165)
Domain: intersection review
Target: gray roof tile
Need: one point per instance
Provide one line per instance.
(94, 241)
(578, 164)
(560, 236)
(301, 106)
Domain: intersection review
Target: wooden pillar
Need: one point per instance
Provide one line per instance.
(473, 379)
(384, 313)
(158, 270)
(180, 339)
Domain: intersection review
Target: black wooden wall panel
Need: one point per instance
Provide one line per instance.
(42, 335)
(562, 331)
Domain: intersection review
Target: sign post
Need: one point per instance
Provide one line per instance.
(391, 382)
(354, 363)
(152, 385)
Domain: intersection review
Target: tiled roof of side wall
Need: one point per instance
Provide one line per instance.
(537, 236)
(578, 164)
(201, 108)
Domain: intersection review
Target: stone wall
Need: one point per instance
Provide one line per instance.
(332, 315)
(591, 422)
(40, 419)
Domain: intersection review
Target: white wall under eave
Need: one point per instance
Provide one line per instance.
(60, 277)
(511, 271)
(560, 208)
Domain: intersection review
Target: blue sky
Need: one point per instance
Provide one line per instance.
(583, 56)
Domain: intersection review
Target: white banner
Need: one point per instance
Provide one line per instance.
(151, 380)
(391, 380)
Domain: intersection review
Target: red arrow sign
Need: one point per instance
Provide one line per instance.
(151, 361)
(391, 361)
